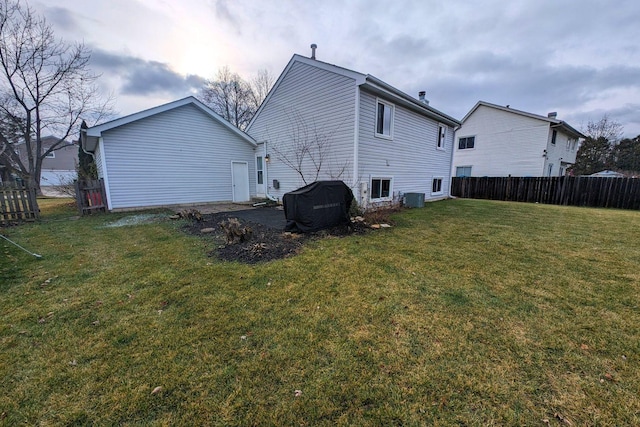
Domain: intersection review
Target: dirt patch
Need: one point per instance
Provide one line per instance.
(266, 243)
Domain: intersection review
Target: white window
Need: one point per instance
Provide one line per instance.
(260, 170)
(554, 135)
(51, 155)
(381, 189)
(466, 142)
(384, 119)
(436, 186)
(550, 169)
(462, 171)
(442, 134)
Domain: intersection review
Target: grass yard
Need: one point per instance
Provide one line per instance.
(465, 313)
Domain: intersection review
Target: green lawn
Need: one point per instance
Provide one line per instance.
(465, 313)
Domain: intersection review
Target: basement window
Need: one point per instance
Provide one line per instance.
(436, 186)
(380, 189)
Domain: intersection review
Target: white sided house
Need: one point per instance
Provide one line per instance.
(324, 122)
(177, 153)
(501, 141)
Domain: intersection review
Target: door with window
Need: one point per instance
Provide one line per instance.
(260, 185)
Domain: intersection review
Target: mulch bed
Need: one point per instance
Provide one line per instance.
(265, 244)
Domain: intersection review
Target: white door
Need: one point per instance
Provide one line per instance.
(240, 181)
(260, 190)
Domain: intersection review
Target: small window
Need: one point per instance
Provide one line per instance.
(436, 186)
(462, 171)
(51, 155)
(384, 120)
(568, 144)
(260, 170)
(380, 189)
(550, 169)
(554, 135)
(442, 134)
(466, 142)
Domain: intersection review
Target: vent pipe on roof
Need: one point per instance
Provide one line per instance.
(421, 97)
(313, 50)
(552, 115)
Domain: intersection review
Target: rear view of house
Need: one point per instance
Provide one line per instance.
(324, 122)
(177, 153)
(501, 141)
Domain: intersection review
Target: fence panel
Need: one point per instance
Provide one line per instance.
(621, 193)
(91, 196)
(17, 203)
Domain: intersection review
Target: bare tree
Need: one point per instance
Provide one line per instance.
(45, 87)
(306, 150)
(234, 98)
(260, 86)
(606, 128)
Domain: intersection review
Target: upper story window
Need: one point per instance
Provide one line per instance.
(442, 134)
(51, 155)
(384, 119)
(554, 135)
(466, 142)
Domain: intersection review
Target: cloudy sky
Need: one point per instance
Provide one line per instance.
(580, 58)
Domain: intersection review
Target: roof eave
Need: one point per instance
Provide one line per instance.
(378, 86)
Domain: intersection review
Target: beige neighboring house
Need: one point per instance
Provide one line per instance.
(500, 141)
(60, 166)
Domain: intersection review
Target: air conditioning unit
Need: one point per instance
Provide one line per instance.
(413, 200)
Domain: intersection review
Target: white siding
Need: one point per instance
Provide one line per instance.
(308, 102)
(505, 144)
(174, 157)
(558, 155)
(412, 158)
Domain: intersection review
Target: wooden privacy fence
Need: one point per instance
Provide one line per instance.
(621, 193)
(17, 203)
(91, 196)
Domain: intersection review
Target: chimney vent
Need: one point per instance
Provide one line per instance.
(552, 115)
(313, 50)
(421, 97)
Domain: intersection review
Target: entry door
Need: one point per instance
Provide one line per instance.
(260, 190)
(240, 181)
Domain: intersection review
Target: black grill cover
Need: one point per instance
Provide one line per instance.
(322, 204)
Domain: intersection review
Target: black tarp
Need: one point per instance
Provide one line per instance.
(319, 205)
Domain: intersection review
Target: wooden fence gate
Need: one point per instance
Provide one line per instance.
(91, 196)
(17, 203)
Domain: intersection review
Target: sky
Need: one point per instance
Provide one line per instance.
(580, 58)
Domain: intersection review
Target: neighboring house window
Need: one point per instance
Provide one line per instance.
(436, 186)
(384, 119)
(466, 142)
(550, 169)
(51, 155)
(259, 169)
(463, 171)
(562, 171)
(568, 144)
(574, 144)
(380, 188)
(554, 135)
(442, 133)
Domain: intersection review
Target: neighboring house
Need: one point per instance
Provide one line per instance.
(324, 122)
(608, 174)
(59, 167)
(501, 141)
(177, 153)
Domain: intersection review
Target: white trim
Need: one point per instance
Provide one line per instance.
(356, 141)
(391, 121)
(50, 155)
(463, 166)
(462, 137)
(264, 182)
(105, 174)
(381, 178)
